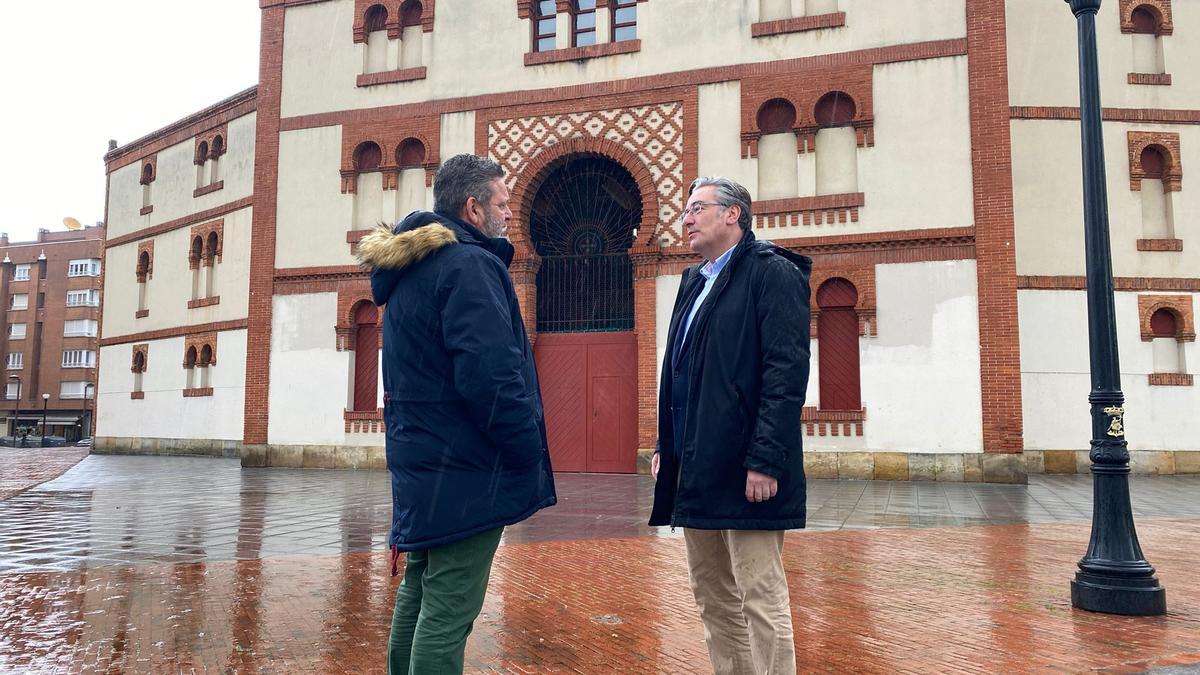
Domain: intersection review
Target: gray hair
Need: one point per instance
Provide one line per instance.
(462, 177)
(729, 193)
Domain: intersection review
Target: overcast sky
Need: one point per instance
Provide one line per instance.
(77, 73)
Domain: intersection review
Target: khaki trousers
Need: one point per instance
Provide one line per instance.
(738, 579)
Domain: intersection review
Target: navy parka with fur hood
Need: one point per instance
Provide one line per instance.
(466, 440)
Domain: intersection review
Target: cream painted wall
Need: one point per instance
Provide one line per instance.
(920, 376)
(458, 134)
(1048, 201)
(321, 62)
(719, 145)
(303, 351)
(176, 179)
(666, 288)
(170, 287)
(313, 215)
(1044, 69)
(1055, 377)
(165, 413)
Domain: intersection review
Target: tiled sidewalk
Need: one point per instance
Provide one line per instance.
(148, 564)
(23, 468)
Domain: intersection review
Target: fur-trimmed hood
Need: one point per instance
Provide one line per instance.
(389, 252)
(390, 249)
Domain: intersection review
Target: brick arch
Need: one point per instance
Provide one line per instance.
(351, 296)
(542, 164)
(1167, 144)
(1160, 7)
(1178, 305)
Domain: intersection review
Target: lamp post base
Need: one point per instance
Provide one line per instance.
(1118, 595)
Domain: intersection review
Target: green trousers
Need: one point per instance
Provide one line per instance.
(436, 605)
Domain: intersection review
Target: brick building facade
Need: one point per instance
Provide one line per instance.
(50, 289)
(923, 152)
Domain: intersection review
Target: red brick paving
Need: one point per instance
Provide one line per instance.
(23, 468)
(966, 600)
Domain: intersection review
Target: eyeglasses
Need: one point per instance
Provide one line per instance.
(696, 208)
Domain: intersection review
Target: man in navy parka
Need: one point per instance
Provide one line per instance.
(466, 440)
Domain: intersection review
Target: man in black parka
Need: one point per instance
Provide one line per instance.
(729, 466)
(466, 440)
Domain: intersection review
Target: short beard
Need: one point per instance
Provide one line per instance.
(493, 227)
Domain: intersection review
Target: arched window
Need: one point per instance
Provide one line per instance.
(366, 357)
(214, 160)
(778, 174)
(206, 360)
(410, 34)
(189, 364)
(837, 144)
(624, 21)
(201, 164)
(375, 24)
(213, 249)
(146, 179)
(1168, 351)
(138, 368)
(545, 25)
(583, 23)
(195, 255)
(410, 192)
(1157, 215)
(143, 273)
(367, 157)
(1147, 41)
(368, 193)
(837, 346)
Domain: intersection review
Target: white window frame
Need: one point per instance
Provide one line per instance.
(21, 272)
(89, 330)
(84, 267)
(24, 301)
(16, 360)
(78, 358)
(91, 297)
(13, 390)
(12, 331)
(75, 390)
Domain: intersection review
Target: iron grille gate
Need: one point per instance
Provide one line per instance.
(582, 293)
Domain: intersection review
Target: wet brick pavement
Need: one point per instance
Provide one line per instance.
(140, 564)
(23, 468)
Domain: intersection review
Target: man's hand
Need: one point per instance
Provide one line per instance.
(759, 486)
(654, 466)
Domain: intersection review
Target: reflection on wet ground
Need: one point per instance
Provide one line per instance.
(142, 564)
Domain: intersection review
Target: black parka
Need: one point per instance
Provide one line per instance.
(466, 439)
(749, 346)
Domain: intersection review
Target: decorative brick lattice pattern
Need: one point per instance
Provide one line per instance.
(654, 133)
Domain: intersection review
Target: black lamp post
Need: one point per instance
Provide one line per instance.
(16, 405)
(1113, 576)
(45, 400)
(87, 426)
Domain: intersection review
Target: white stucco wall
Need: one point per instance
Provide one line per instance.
(313, 215)
(1043, 65)
(1055, 375)
(164, 412)
(719, 145)
(321, 61)
(458, 134)
(920, 376)
(1048, 201)
(303, 352)
(666, 288)
(175, 180)
(170, 287)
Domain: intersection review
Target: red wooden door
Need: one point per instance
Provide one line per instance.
(589, 391)
(366, 357)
